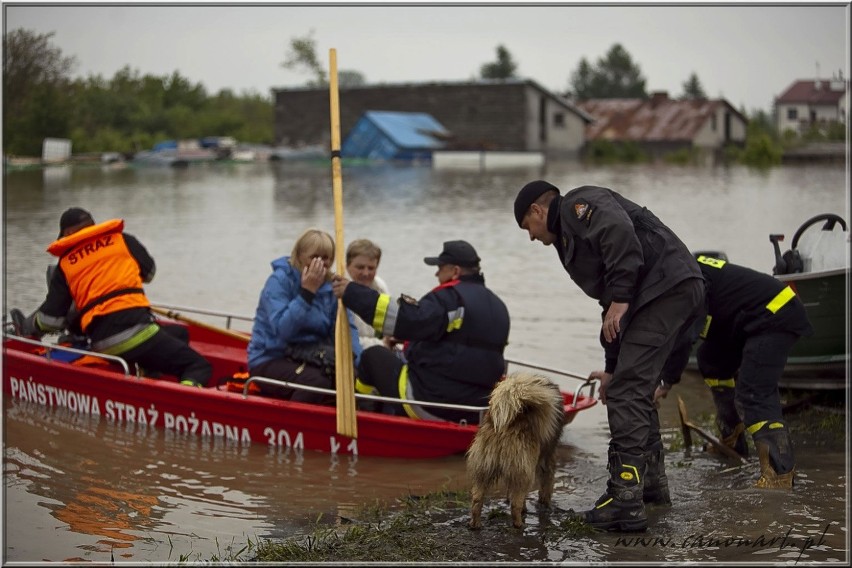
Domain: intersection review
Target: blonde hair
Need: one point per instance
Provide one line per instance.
(363, 247)
(315, 242)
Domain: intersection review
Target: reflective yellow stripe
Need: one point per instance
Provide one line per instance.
(635, 471)
(403, 388)
(782, 298)
(381, 312)
(134, 341)
(363, 388)
(455, 324)
(758, 425)
(605, 503)
(710, 261)
(724, 383)
(706, 327)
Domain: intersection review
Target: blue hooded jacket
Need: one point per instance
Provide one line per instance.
(283, 317)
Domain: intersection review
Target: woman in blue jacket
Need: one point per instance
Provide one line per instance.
(293, 333)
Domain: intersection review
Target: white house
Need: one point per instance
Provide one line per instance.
(808, 103)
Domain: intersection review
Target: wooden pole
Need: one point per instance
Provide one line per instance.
(344, 372)
(177, 316)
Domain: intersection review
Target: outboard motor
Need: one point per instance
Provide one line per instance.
(791, 262)
(788, 263)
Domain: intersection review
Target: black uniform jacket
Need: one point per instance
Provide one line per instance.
(617, 251)
(740, 302)
(456, 334)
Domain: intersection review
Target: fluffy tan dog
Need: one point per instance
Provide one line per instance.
(516, 443)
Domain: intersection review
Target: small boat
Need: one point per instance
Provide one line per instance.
(817, 268)
(89, 383)
(167, 158)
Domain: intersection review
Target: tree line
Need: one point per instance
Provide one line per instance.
(127, 113)
(131, 111)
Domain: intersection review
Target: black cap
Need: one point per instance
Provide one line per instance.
(527, 196)
(460, 253)
(72, 217)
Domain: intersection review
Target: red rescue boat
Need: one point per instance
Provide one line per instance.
(84, 382)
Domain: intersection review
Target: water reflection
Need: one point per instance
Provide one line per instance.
(81, 488)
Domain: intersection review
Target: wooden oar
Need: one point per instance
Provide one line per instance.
(344, 372)
(177, 316)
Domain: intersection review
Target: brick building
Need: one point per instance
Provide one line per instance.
(510, 115)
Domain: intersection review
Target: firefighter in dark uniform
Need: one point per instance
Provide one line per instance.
(750, 324)
(650, 289)
(454, 337)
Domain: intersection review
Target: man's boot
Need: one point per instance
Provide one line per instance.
(775, 451)
(728, 421)
(620, 508)
(656, 490)
(25, 326)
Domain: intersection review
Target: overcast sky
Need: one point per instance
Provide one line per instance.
(747, 54)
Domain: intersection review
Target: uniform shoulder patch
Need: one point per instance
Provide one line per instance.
(408, 299)
(583, 210)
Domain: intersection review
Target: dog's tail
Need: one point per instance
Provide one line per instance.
(534, 395)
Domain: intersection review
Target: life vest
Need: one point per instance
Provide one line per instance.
(101, 272)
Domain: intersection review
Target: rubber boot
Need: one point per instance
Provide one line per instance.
(728, 421)
(775, 451)
(656, 491)
(620, 508)
(25, 326)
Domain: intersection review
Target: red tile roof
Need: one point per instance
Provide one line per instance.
(658, 119)
(807, 92)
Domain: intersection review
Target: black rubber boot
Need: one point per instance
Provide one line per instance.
(728, 421)
(656, 491)
(620, 508)
(775, 451)
(25, 326)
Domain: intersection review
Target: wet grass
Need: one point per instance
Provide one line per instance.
(433, 527)
(430, 528)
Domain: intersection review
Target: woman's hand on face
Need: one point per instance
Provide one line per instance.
(313, 275)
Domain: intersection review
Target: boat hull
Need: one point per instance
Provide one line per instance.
(106, 390)
(821, 360)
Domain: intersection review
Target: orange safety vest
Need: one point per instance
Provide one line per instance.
(101, 272)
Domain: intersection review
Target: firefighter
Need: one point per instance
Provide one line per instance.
(750, 324)
(454, 338)
(649, 288)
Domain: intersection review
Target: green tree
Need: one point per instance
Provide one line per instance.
(503, 68)
(615, 76)
(350, 79)
(35, 85)
(692, 89)
(303, 54)
(581, 80)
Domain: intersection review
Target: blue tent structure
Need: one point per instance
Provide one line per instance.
(388, 135)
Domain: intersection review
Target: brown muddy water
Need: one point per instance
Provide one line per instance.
(82, 488)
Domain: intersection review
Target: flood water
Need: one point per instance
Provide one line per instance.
(81, 488)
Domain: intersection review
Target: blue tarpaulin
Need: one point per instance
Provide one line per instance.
(392, 135)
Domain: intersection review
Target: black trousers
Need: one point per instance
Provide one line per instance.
(634, 424)
(757, 362)
(380, 368)
(168, 351)
(299, 373)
